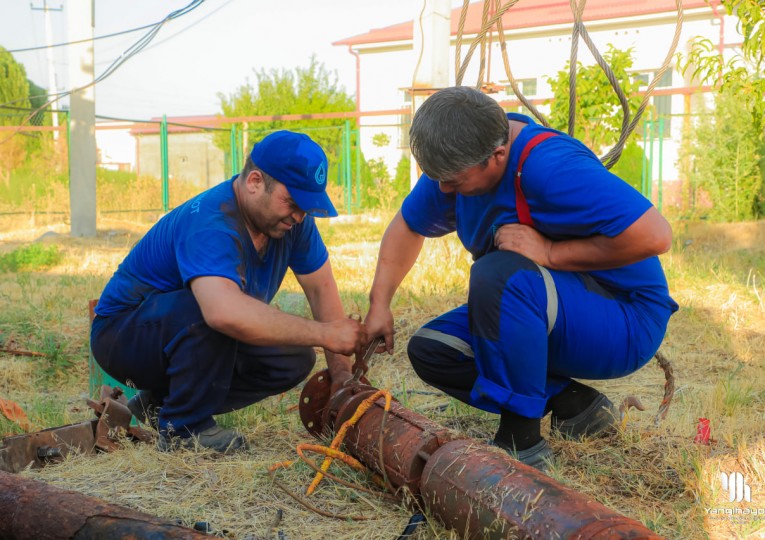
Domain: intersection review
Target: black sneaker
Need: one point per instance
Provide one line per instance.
(215, 438)
(595, 419)
(145, 407)
(538, 456)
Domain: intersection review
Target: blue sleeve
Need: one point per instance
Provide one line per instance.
(308, 252)
(428, 211)
(571, 194)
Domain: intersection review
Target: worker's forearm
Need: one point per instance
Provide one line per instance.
(649, 236)
(399, 250)
(251, 321)
(326, 306)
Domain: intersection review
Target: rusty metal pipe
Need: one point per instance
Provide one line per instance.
(33, 510)
(474, 488)
(469, 486)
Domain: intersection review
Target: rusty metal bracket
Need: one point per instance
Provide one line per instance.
(37, 449)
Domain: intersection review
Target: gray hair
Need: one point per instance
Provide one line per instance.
(455, 129)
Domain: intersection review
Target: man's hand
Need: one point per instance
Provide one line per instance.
(344, 336)
(525, 241)
(339, 375)
(379, 322)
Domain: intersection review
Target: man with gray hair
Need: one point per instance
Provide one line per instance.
(566, 281)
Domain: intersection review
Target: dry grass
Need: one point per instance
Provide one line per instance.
(654, 474)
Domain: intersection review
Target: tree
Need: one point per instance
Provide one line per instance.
(740, 78)
(14, 95)
(598, 112)
(724, 158)
(308, 90)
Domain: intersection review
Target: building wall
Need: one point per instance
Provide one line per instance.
(537, 54)
(192, 158)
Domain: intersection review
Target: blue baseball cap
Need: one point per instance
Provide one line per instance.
(296, 161)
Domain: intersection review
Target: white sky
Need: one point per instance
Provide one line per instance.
(212, 49)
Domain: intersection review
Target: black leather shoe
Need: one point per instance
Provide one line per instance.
(145, 408)
(538, 456)
(597, 417)
(215, 438)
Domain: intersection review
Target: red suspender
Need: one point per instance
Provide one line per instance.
(521, 206)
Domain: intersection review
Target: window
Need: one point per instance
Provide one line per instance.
(662, 104)
(528, 87)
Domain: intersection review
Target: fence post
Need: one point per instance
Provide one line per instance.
(358, 167)
(165, 165)
(661, 162)
(644, 170)
(232, 143)
(347, 164)
(241, 150)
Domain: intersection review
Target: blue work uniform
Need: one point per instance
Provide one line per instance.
(149, 331)
(526, 331)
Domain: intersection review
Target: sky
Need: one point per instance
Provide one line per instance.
(214, 49)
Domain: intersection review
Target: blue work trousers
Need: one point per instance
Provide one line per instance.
(165, 346)
(502, 351)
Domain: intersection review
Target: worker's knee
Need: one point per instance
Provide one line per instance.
(491, 272)
(494, 274)
(420, 351)
(442, 360)
(304, 362)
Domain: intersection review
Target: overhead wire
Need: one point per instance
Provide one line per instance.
(120, 33)
(86, 40)
(131, 51)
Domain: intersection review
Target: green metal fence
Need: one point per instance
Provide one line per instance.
(175, 159)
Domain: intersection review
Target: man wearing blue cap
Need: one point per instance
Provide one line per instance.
(185, 318)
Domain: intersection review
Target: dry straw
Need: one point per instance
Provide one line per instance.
(655, 474)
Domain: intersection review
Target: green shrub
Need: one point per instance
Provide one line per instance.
(30, 258)
(630, 165)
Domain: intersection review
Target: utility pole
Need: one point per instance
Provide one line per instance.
(82, 119)
(52, 86)
(431, 43)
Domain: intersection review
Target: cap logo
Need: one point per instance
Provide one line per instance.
(321, 174)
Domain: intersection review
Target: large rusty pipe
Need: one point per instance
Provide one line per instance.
(471, 487)
(32, 510)
(474, 488)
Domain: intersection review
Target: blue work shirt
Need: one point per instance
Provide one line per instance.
(570, 194)
(206, 236)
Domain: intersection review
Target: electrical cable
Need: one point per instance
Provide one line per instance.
(131, 51)
(95, 38)
(115, 34)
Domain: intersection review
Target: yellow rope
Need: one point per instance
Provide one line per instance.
(337, 441)
(332, 453)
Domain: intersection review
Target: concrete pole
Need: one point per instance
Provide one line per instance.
(431, 42)
(82, 118)
(52, 86)
(52, 90)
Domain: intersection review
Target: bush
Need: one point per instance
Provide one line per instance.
(724, 151)
(30, 258)
(630, 165)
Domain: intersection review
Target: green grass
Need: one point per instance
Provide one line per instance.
(32, 257)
